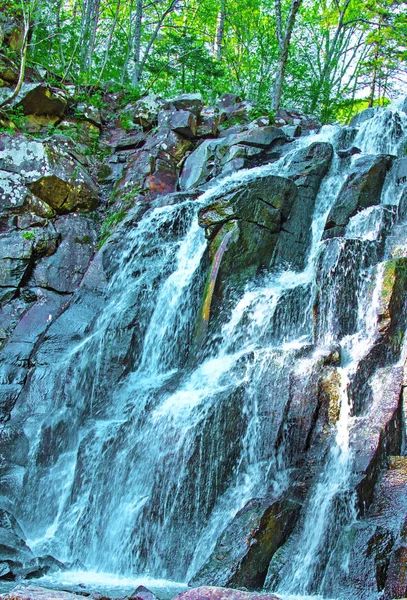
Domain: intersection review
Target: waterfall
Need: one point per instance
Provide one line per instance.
(146, 451)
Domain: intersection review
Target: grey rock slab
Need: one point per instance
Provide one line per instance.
(63, 271)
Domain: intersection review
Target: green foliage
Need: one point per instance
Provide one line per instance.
(126, 121)
(339, 51)
(28, 235)
(14, 118)
(109, 225)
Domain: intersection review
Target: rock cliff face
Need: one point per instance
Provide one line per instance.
(202, 345)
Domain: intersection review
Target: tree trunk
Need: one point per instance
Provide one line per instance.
(220, 30)
(109, 41)
(374, 76)
(278, 85)
(135, 78)
(284, 39)
(24, 48)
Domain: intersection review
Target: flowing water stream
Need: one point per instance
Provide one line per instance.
(158, 449)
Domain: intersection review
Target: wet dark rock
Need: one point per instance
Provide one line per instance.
(244, 550)
(338, 267)
(362, 117)
(15, 357)
(266, 200)
(259, 208)
(308, 168)
(348, 152)
(361, 189)
(14, 446)
(40, 566)
(378, 435)
(392, 300)
(346, 136)
(12, 545)
(377, 554)
(228, 419)
(214, 156)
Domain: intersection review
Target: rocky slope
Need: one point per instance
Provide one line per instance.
(75, 178)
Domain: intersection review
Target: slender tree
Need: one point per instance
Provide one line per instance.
(284, 33)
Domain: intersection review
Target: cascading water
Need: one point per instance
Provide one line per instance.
(156, 450)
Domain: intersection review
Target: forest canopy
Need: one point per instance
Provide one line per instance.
(330, 57)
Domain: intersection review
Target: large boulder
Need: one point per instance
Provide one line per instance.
(295, 117)
(153, 170)
(215, 157)
(208, 122)
(362, 188)
(232, 107)
(50, 172)
(379, 552)
(197, 167)
(363, 116)
(38, 99)
(188, 102)
(259, 208)
(180, 121)
(266, 200)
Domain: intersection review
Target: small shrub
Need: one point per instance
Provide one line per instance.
(28, 235)
(109, 225)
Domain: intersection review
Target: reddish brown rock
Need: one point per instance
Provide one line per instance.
(34, 592)
(219, 593)
(142, 593)
(160, 183)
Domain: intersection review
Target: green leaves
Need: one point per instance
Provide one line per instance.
(339, 51)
